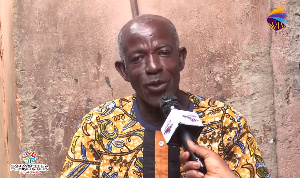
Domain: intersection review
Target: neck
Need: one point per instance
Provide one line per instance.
(153, 115)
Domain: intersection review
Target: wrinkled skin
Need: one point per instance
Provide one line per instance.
(152, 65)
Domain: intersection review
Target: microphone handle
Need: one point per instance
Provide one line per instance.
(184, 136)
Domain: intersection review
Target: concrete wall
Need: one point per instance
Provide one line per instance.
(64, 61)
(9, 123)
(285, 55)
(65, 54)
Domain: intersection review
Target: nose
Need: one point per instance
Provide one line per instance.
(153, 64)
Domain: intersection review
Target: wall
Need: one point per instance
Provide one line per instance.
(285, 55)
(65, 53)
(64, 61)
(9, 123)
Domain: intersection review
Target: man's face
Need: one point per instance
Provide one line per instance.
(153, 61)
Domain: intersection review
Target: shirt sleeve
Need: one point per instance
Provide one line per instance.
(82, 160)
(241, 151)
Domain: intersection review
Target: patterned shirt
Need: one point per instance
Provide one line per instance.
(114, 141)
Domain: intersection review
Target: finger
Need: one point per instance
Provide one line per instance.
(184, 157)
(194, 174)
(191, 165)
(199, 150)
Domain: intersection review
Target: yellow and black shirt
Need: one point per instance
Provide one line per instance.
(113, 141)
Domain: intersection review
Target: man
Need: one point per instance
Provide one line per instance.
(122, 138)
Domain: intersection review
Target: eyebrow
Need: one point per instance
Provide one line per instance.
(162, 46)
(139, 51)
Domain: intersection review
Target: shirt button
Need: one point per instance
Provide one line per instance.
(161, 143)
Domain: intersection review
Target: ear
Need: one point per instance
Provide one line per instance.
(121, 68)
(182, 55)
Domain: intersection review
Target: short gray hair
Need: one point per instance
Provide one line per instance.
(146, 18)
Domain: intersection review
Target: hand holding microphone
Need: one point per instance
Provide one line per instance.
(215, 165)
(181, 126)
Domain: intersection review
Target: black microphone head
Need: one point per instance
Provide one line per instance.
(167, 101)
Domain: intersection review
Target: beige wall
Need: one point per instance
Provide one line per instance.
(285, 55)
(9, 131)
(64, 61)
(65, 54)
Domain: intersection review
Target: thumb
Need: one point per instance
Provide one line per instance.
(199, 150)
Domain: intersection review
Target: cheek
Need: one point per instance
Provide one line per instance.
(173, 69)
(135, 77)
(134, 72)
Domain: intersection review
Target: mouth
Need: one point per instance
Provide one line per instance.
(157, 86)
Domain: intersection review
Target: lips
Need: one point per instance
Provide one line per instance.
(157, 86)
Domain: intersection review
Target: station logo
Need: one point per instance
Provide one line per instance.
(28, 158)
(276, 19)
(192, 118)
(168, 128)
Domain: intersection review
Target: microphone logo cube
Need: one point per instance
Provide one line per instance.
(177, 118)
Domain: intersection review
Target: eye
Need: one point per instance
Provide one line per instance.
(137, 58)
(164, 53)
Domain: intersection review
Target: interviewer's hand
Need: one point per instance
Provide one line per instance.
(215, 165)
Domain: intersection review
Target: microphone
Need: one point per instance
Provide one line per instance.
(181, 126)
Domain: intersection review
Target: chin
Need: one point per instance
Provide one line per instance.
(154, 99)
(154, 102)
(151, 101)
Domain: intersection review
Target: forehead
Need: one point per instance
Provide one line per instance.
(150, 32)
